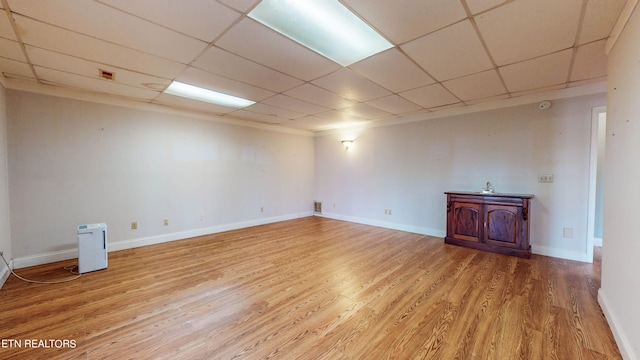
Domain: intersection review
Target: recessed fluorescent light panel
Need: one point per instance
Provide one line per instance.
(324, 26)
(206, 95)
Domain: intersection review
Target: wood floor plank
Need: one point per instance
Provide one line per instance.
(311, 288)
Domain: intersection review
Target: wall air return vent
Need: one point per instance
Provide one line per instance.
(107, 74)
(317, 207)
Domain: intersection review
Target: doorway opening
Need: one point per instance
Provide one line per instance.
(596, 180)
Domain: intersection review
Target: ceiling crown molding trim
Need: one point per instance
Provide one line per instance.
(52, 90)
(599, 87)
(623, 19)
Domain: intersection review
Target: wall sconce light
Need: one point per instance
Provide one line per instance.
(347, 143)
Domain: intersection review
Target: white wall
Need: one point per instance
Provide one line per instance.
(73, 162)
(5, 229)
(620, 292)
(406, 168)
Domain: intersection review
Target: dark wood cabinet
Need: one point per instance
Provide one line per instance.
(491, 222)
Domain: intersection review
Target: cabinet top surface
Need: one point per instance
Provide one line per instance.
(471, 193)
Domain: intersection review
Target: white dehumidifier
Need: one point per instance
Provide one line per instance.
(92, 247)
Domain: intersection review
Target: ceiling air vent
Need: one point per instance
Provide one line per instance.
(107, 74)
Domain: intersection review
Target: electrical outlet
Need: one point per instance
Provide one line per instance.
(134, 225)
(567, 233)
(165, 222)
(261, 209)
(545, 178)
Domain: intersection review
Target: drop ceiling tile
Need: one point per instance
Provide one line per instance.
(364, 111)
(404, 20)
(394, 104)
(430, 96)
(478, 6)
(487, 99)
(285, 75)
(393, 70)
(587, 82)
(106, 23)
(23, 79)
(92, 84)
(204, 20)
(590, 61)
(271, 118)
(539, 90)
(350, 85)
(446, 107)
(542, 72)
(6, 30)
(221, 62)
(57, 61)
(525, 29)
(190, 104)
(339, 115)
(11, 67)
(348, 122)
(476, 86)
(207, 80)
(301, 106)
(599, 19)
(11, 50)
(63, 41)
(255, 41)
(241, 5)
(314, 123)
(445, 54)
(274, 111)
(309, 123)
(316, 95)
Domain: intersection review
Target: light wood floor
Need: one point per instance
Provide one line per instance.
(312, 288)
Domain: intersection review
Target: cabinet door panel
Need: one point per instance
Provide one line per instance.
(497, 222)
(502, 225)
(466, 221)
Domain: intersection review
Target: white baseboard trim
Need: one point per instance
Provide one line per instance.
(44, 258)
(4, 274)
(626, 350)
(540, 250)
(72, 253)
(159, 239)
(385, 224)
(559, 253)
